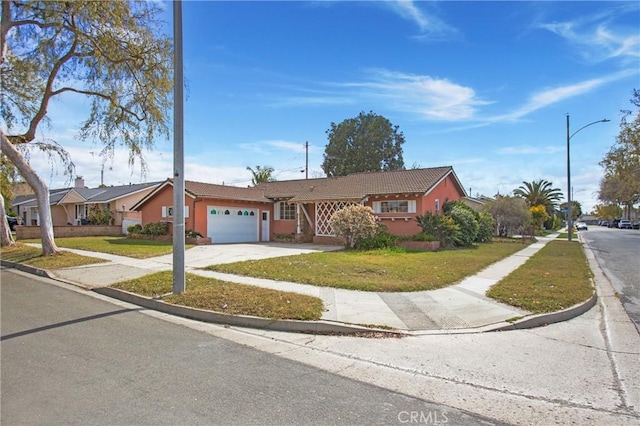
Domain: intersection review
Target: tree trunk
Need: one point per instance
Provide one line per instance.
(6, 239)
(39, 187)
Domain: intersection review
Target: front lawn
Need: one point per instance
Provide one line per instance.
(32, 256)
(555, 278)
(381, 270)
(228, 298)
(121, 246)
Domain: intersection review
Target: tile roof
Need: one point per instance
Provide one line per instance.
(226, 192)
(358, 186)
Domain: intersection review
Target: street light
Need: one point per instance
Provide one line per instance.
(569, 206)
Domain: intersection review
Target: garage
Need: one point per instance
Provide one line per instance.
(232, 224)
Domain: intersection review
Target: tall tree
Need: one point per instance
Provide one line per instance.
(261, 174)
(7, 177)
(366, 143)
(111, 52)
(539, 193)
(510, 214)
(621, 182)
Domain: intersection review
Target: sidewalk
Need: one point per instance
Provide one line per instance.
(460, 308)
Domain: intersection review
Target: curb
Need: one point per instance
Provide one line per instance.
(550, 318)
(312, 327)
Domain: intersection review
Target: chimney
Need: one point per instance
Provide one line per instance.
(79, 183)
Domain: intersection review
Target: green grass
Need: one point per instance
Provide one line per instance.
(229, 298)
(555, 278)
(381, 270)
(32, 256)
(121, 246)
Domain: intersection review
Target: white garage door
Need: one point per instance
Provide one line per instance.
(232, 224)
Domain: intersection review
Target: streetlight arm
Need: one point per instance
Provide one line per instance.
(587, 125)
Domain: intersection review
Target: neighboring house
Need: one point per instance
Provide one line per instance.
(477, 203)
(301, 209)
(70, 206)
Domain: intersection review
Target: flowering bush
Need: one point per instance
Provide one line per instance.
(353, 222)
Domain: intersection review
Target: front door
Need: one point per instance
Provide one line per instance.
(265, 226)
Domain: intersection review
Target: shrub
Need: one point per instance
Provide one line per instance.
(353, 222)
(134, 229)
(382, 239)
(467, 224)
(156, 228)
(192, 234)
(486, 225)
(443, 228)
(98, 216)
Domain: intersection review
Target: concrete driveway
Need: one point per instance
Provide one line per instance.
(120, 268)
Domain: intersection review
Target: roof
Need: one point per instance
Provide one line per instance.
(355, 187)
(105, 194)
(210, 190)
(360, 185)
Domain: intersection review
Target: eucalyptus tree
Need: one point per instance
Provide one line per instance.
(261, 174)
(8, 175)
(621, 181)
(366, 143)
(113, 53)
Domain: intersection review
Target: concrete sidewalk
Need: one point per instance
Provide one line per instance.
(462, 307)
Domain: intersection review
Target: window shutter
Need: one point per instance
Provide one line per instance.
(412, 206)
(164, 211)
(376, 206)
(276, 210)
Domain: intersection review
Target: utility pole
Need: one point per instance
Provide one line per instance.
(306, 164)
(178, 152)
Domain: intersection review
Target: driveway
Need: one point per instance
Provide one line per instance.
(122, 268)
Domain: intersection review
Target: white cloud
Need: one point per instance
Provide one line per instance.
(432, 98)
(551, 96)
(431, 27)
(597, 41)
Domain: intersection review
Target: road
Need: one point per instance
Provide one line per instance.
(618, 253)
(74, 358)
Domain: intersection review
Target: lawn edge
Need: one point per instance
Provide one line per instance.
(300, 326)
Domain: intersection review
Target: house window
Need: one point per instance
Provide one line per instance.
(167, 211)
(437, 205)
(285, 211)
(399, 206)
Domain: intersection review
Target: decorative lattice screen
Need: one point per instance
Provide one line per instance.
(324, 211)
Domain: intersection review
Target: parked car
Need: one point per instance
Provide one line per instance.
(614, 223)
(624, 224)
(635, 225)
(13, 222)
(581, 226)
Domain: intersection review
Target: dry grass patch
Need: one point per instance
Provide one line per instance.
(555, 278)
(32, 256)
(379, 270)
(121, 246)
(229, 298)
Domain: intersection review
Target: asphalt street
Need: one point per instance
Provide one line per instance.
(618, 253)
(72, 358)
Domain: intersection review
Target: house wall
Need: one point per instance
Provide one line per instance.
(197, 221)
(152, 209)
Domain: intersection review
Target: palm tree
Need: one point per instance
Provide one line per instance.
(540, 193)
(261, 174)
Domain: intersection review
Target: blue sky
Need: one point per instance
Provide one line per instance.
(482, 86)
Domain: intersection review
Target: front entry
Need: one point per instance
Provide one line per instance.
(265, 226)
